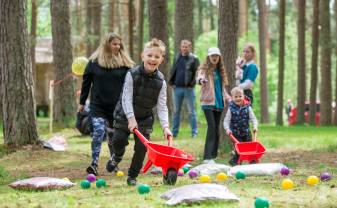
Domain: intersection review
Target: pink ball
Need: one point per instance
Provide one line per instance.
(284, 171)
(180, 173)
(192, 174)
(325, 176)
(91, 178)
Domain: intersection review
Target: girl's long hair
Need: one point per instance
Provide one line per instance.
(105, 58)
(208, 67)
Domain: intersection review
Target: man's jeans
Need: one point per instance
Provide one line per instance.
(179, 94)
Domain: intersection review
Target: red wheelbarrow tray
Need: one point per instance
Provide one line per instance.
(166, 157)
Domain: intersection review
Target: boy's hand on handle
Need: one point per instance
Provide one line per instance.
(80, 108)
(167, 132)
(132, 123)
(228, 131)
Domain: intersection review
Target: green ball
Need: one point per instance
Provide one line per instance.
(85, 184)
(143, 189)
(100, 183)
(240, 175)
(186, 169)
(261, 202)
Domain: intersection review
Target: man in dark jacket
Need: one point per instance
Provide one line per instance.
(182, 79)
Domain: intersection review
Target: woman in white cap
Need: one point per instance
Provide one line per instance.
(213, 80)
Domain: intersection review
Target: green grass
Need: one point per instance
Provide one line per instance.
(307, 150)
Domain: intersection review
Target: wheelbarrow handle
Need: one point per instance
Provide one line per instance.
(254, 135)
(233, 138)
(140, 136)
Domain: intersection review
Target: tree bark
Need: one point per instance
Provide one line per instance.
(314, 63)
(33, 38)
(200, 17)
(17, 90)
(183, 22)
(96, 24)
(131, 23)
(243, 17)
(65, 108)
(228, 36)
(279, 115)
(301, 85)
(89, 26)
(335, 115)
(263, 62)
(140, 29)
(112, 15)
(325, 42)
(211, 15)
(158, 28)
(79, 25)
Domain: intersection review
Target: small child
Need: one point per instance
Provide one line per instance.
(238, 70)
(237, 119)
(144, 89)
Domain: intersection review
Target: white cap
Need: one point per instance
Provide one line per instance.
(214, 51)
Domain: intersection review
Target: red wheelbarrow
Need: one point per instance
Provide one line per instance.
(170, 159)
(248, 151)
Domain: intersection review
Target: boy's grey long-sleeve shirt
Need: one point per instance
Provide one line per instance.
(252, 119)
(127, 101)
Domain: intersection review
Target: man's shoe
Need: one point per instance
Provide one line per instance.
(131, 181)
(92, 169)
(111, 165)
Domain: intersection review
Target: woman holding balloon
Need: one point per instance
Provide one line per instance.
(104, 77)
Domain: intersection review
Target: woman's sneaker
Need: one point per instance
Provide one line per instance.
(92, 169)
(111, 165)
(131, 181)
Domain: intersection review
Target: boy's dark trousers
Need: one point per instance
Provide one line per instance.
(245, 138)
(213, 118)
(119, 141)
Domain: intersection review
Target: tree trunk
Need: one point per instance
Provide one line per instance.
(140, 29)
(96, 24)
(64, 109)
(79, 25)
(158, 28)
(335, 115)
(17, 90)
(131, 23)
(314, 63)
(200, 17)
(325, 42)
(228, 36)
(89, 26)
(301, 85)
(243, 17)
(279, 115)
(111, 15)
(183, 22)
(211, 15)
(33, 38)
(263, 63)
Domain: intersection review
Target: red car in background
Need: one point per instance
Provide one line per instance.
(293, 114)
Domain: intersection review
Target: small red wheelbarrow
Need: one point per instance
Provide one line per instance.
(170, 159)
(248, 151)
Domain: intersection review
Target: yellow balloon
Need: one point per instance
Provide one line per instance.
(287, 184)
(66, 179)
(312, 180)
(205, 179)
(221, 176)
(120, 173)
(79, 65)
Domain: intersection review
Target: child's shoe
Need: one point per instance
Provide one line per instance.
(111, 165)
(92, 169)
(131, 181)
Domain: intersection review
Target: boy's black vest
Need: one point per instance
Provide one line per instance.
(239, 123)
(146, 89)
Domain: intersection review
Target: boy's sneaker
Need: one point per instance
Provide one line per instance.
(111, 165)
(131, 181)
(233, 161)
(92, 169)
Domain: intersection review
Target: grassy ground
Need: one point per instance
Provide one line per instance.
(308, 150)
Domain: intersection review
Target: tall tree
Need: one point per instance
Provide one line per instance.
(33, 37)
(96, 24)
(140, 29)
(279, 115)
(62, 58)
(16, 73)
(89, 25)
(158, 28)
(243, 17)
(263, 63)
(211, 14)
(200, 17)
(112, 15)
(79, 25)
(131, 23)
(335, 115)
(325, 42)
(183, 22)
(314, 63)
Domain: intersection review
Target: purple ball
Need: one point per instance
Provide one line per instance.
(192, 174)
(325, 176)
(180, 173)
(284, 171)
(91, 178)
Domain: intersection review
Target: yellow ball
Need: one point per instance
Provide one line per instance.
(205, 179)
(120, 173)
(312, 180)
(287, 184)
(79, 65)
(221, 176)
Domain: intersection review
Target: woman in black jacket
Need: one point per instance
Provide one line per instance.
(103, 78)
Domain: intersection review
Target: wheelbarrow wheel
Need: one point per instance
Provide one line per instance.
(171, 177)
